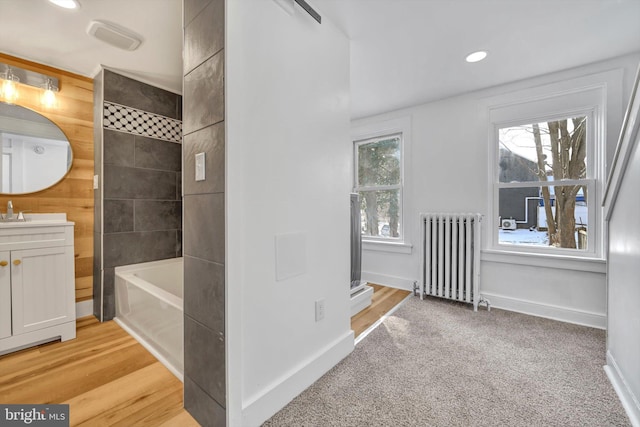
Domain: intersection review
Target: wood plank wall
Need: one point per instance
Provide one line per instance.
(73, 195)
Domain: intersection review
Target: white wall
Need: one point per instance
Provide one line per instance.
(448, 172)
(623, 323)
(288, 175)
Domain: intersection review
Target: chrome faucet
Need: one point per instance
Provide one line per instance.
(9, 209)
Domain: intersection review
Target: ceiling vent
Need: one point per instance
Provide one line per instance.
(114, 35)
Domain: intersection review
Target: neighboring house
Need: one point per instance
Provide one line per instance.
(519, 204)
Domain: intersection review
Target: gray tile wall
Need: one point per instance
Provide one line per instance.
(204, 230)
(141, 187)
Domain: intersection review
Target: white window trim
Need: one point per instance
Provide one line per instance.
(565, 99)
(371, 130)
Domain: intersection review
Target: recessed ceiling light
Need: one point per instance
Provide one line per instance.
(476, 56)
(67, 4)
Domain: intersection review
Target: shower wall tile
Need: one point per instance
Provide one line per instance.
(157, 154)
(179, 186)
(204, 226)
(109, 302)
(206, 366)
(178, 243)
(132, 93)
(204, 211)
(191, 8)
(118, 148)
(206, 411)
(97, 274)
(204, 95)
(133, 183)
(153, 215)
(118, 216)
(136, 247)
(204, 36)
(210, 141)
(204, 298)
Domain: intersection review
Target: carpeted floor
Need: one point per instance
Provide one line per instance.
(437, 363)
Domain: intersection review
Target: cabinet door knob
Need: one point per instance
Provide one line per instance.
(16, 262)
(3, 263)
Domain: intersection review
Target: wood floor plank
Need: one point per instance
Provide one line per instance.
(127, 397)
(383, 299)
(182, 419)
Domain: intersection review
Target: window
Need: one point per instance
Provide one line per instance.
(546, 170)
(378, 181)
(543, 183)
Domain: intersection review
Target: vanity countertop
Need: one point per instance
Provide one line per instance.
(37, 220)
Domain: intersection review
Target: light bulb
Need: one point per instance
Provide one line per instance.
(48, 98)
(9, 91)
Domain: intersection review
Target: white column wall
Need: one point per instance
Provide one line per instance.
(288, 177)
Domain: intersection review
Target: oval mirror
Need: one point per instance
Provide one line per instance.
(35, 152)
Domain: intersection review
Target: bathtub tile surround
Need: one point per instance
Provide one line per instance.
(122, 90)
(140, 194)
(206, 366)
(205, 299)
(198, 404)
(204, 94)
(204, 36)
(204, 212)
(212, 139)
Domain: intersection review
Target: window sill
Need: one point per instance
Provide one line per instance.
(564, 262)
(382, 246)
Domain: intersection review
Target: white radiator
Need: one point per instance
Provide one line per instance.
(450, 264)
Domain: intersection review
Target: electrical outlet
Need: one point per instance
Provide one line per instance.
(319, 310)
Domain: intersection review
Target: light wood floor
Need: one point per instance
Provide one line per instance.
(383, 300)
(108, 379)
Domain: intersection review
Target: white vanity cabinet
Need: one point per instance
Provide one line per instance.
(37, 283)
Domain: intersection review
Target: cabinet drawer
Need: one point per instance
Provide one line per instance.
(36, 237)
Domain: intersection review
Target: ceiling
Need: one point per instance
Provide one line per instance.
(403, 52)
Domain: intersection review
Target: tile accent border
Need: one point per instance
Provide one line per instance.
(138, 122)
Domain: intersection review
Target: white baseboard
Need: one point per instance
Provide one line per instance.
(629, 401)
(390, 281)
(84, 308)
(563, 314)
(276, 396)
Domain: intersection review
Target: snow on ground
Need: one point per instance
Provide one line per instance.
(523, 236)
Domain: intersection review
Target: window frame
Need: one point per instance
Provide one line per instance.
(370, 131)
(357, 188)
(585, 101)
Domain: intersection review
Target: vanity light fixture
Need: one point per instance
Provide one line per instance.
(67, 4)
(8, 90)
(13, 75)
(476, 56)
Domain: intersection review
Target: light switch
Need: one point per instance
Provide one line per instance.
(200, 167)
(95, 182)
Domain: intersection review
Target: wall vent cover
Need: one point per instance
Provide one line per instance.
(114, 35)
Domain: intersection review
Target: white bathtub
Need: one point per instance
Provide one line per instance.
(149, 307)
